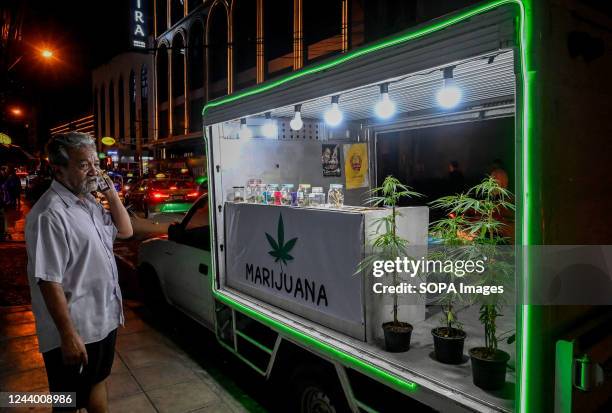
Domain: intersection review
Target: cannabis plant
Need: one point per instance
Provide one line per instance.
(387, 244)
(473, 227)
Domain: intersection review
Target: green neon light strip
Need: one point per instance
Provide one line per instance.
(254, 342)
(528, 233)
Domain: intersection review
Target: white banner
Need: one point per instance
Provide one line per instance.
(299, 259)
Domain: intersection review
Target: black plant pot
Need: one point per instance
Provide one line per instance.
(397, 336)
(448, 347)
(489, 373)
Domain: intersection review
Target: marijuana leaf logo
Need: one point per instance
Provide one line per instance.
(280, 250)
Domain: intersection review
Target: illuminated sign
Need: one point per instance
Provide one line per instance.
(108, 141)
(5, 139)
(113, 155)
(138, 37)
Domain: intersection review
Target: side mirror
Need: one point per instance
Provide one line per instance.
(174, 231)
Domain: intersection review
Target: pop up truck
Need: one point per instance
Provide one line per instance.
(292, 162)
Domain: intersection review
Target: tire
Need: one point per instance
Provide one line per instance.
(315, 389)
(145, 207)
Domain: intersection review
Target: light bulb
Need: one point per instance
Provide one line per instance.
(296, 123)
(333, 115)
(385, 107)
(245, 132)
(269, 129)
(450, 95)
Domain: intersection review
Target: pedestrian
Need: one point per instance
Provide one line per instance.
(12, 186)
(72, 272)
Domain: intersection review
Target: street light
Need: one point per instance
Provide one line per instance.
(16, 111)
(47, 54)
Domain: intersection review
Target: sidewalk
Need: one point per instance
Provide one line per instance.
(150, 373)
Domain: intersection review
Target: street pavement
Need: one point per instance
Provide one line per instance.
(157, 368)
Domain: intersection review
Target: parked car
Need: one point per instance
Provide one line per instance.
(162, 195)
(173, 269)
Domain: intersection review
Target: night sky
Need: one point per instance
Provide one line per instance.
(83, 34)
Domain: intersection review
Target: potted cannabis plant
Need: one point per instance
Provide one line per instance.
(480, 223)
(449, 338)
(388, 245)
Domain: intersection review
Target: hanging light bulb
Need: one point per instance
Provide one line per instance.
(450, 94)
(245, 132)
(333, 115)
(385, 107)
(269, 128)
(297, 123)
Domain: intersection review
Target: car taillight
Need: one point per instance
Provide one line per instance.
(173, 187)
(193, 194)
(159, 195)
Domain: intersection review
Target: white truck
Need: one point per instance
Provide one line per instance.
(301, 313)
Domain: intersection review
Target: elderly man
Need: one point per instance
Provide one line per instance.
(73, 274)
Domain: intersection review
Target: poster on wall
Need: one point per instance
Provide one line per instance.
(330, 160)
(356, 165)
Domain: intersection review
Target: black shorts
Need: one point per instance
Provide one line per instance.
(66, 378)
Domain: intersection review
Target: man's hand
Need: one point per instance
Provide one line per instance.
(117, 209)
(73, 350)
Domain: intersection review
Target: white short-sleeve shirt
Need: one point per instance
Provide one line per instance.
(70, 241)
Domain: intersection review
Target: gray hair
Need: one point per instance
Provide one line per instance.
(58, 146)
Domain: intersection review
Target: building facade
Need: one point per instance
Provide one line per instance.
(124, 108)
(211, 48)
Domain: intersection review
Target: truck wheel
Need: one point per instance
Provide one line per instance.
(314, 391)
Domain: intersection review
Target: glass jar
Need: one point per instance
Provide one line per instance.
(238, 193)
(335, 196)
(260, 194)
(316, 197)
(286, 191)
(302, 194)
(269, 195)
(250, 190)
